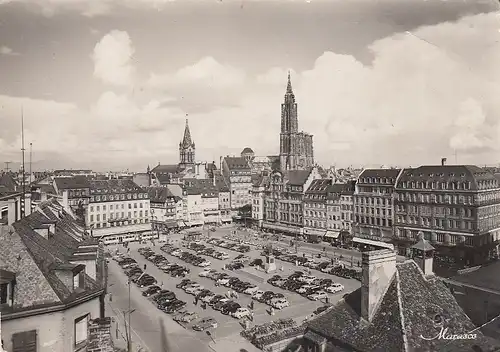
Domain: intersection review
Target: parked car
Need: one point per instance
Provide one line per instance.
(174, 307)
(206, 272)
(152, 290)
(335, 288)
(241, 313)
(257, 295)
(191, 289)
(280, 303)
(184, 283)
(205, 323)
(256, 262)
(251, 290)
(208, 298)
(230, 307)
(317, 295)
(188, 317)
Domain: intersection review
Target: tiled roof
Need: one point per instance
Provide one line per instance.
(297, 177)
(45, 188)
(75, 182)
(236, 163)
(159, 194)
(319, 186)
(113, 186)
(407, 311)
(387, 173)
(220, 183)
(448, 173)
(166, 169)
(201, 186)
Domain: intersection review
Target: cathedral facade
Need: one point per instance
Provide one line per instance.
(296, 148)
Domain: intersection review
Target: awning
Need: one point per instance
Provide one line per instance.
(332, 234)
(372, 243)
(314, 232)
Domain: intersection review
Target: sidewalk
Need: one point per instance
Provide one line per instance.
(233, 343)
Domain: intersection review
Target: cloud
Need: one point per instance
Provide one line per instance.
(5, 50)
(423, 97)
(112, 58)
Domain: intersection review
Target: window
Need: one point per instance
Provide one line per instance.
(25, 341)
(81, 330)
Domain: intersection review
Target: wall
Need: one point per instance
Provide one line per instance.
(55, 330)
(90, 267)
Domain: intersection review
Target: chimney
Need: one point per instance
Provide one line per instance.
(443, 161)
(378, 268)
(422, 253)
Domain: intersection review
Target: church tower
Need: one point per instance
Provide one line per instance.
(296, 150)
(186, 148)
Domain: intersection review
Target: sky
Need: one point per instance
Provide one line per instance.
(108, 84)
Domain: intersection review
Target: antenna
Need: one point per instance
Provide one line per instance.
(23, 175)
(7, 163)
(31, 154)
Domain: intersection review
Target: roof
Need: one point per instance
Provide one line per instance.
(113, 186)
(236, 163)
(165, 169)
(319, 186)
(297, 177)
(390, 174)
(220, 183)
(160, 194)
(423, 245)
(75, 182)
(45, 188)
(186, 139)
(407, 311)
(247, 150)
(37, 260)
(449, 173)
(201, 186)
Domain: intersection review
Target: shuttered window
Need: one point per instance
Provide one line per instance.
(24, 341)
(81, 329)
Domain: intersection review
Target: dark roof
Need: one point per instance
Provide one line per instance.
(166, 169)
(159, 194)
(6, 180)
(380, 173)
(236, 162)
(42, 258)
(448, 173)
(201, 186)
(247, 150)
(220, 182)
(45, 188)
(406, 312)
(319, 186)
(297, 177)
(75, 182)
(113, 186)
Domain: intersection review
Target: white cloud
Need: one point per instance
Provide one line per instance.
(5, 50)
(112, 58)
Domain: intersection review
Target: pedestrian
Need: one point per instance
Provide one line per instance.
(196, 301)
(272, 311)
(251, 305)
(145, 266)
(251, 316)
(327, 300)
(128, 250)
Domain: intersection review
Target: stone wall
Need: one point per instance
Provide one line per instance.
(100, 336)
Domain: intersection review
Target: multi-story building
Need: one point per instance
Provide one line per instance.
(259, 184)
(224, 197)
(258, 164)
(315, 209)
(333, 207)
(118, 211)
(374, 204)
(193, 207)
(238, 174)
(296, 148)
(456, 207)
(209, 200)
(283, 204)
(75, 192)
(164, 207)
(347, 205)
(52, 284)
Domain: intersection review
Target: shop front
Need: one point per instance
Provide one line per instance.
(314, 235)
(278, 228)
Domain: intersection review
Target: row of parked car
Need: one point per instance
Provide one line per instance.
(166, 300)
(218, 302)
(175, 270)
(201, 249)
(186, 256)
(325, 266)
(132, 270)
(242, 248)
(307, 285)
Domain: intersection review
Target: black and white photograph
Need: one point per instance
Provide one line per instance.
(249, 175)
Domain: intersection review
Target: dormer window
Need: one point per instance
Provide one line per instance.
(7, 283)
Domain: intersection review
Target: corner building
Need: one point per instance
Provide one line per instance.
(457, 207)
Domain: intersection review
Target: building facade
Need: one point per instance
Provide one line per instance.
(315, 208)
(259, 185)
(119, 211)
(457, 207)
(164, 207)
(374, 204)
(347, 206)
(283, 203)
(224, 197)
(334, 206)
(296, 148)
(238, 174)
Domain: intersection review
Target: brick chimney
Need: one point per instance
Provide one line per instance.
(379, 267)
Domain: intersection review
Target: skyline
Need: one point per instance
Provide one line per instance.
(108, 86)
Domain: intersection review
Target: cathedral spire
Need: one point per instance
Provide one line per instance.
(289, 85)
(186, 140)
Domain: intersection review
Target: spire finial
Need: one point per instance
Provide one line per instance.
(289, 84)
